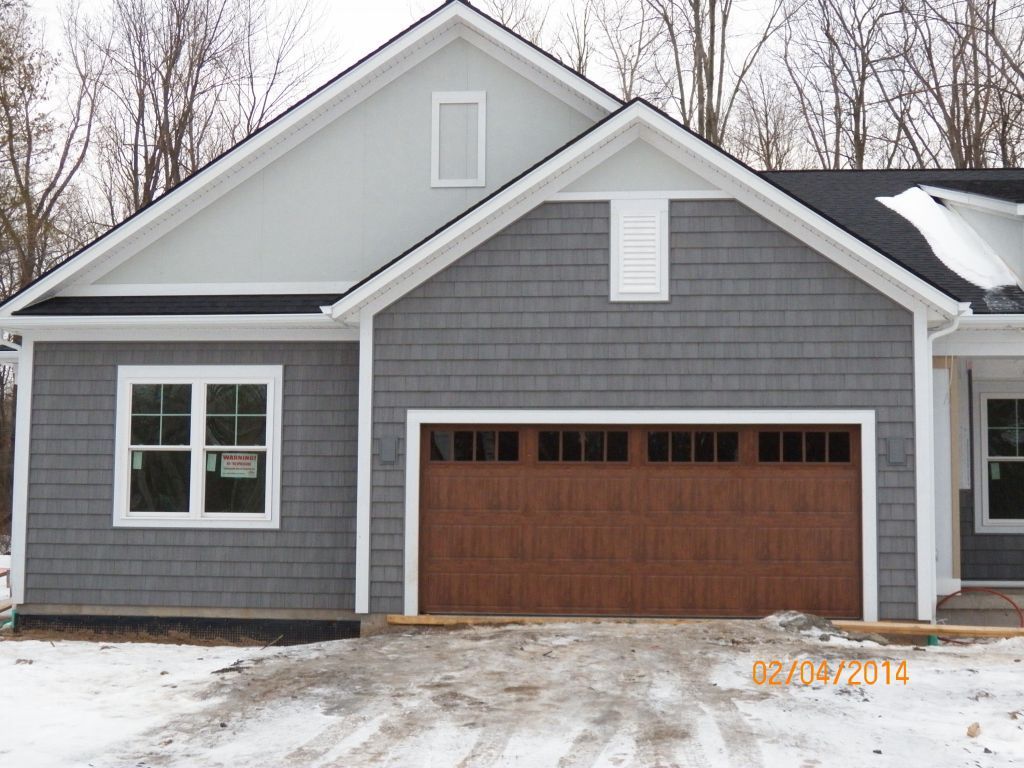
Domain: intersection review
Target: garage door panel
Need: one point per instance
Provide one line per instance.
(574, 543)
(579, 491)
(697, 543)
(698, 594)
(485, 493)
(823, 595)
(589, 593)
(798, 544)
(465, 541)
(827, 495)
(473, 592)
(641, 536)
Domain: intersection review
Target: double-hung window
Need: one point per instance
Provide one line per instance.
(198, 446)
(999, 440)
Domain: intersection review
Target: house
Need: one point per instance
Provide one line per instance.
(462, 332)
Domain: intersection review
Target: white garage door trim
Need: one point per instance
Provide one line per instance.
(864, 419)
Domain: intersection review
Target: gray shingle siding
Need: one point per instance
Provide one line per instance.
(76, 557)
(987, 556)
(755, 320)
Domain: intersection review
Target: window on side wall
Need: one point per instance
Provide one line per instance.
(198, 446)
(458, 139)
(639, 250)
(999, 448)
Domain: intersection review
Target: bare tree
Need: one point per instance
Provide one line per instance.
(576, 40)
(699, 68)
(950, 61)
(43, 147)
(627, 45)
(768, 125)
(831, 51)
(524, 17)
(187, 79)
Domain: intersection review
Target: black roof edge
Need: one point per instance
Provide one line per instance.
(312, 94)
(894, 170)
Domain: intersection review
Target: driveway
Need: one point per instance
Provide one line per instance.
(588, 694)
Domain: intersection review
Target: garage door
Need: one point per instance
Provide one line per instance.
(641, 521)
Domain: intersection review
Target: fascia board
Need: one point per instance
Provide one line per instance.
(975, 200)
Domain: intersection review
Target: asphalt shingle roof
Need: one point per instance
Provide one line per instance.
(271, 304)
(849, 199)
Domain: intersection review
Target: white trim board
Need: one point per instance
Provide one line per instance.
(416, 419)
(640, 120)
(670, 194)
(22, 445)
(364, 465)
(450, 21)
(924, 470)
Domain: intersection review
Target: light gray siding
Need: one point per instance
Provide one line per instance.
(755, 320)
(76, 557)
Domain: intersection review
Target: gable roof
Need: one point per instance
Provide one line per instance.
(272, 140)
(850, 198)
(756, 191)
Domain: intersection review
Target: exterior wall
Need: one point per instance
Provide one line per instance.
(76, 557)
(755, 320)
(326, 210)
(987, 556)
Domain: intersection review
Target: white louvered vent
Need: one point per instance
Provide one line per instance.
(639, 235)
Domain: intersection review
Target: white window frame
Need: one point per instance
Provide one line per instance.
(199, 376)
(441, 98)
(619, 207)
(983, 392)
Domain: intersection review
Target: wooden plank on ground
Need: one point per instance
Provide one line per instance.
(913, 628)
(452, 620)
(876, 627)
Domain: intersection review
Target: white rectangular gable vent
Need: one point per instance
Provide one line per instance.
(639, 240)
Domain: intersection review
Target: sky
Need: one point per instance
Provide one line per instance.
(353, 28)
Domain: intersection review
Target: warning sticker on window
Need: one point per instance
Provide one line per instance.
(243, 465)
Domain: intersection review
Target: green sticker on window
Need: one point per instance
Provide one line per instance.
(136, 459)
(994, 470)
(211, 462)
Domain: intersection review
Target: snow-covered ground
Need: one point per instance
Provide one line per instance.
(595, 694)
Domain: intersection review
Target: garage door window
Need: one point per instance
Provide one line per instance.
(474, 445)
(688, 446)
(800, 447)
(583, 445)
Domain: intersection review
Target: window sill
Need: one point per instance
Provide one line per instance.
(988, 527)
(198, 523)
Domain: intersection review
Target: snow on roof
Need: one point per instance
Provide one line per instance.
(952, 239)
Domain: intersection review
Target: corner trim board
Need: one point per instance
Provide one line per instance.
(364, 476)
(416, 419)
(924, 470)
(22, 444)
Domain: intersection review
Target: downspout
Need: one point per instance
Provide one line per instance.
(963, 310)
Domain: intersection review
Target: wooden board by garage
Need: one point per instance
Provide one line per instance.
(637, 537)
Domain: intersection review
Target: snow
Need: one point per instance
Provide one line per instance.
(952, 239)
(590, 694)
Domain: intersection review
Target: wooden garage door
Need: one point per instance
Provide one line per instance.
(644, 521)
